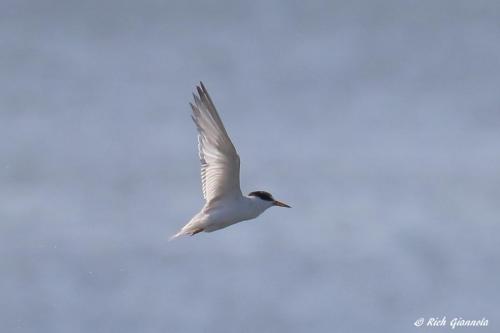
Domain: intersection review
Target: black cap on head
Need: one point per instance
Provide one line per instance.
(263, 195)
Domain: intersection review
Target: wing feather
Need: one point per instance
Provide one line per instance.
(220, 163)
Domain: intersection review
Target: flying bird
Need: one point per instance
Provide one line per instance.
(220, 175)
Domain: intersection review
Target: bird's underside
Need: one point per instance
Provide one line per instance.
(196, 231)
(221, 214)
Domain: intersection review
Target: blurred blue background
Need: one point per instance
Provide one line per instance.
(379, 122)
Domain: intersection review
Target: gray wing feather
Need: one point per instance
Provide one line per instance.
(220, 163)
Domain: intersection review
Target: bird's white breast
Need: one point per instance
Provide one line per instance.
(223, 213)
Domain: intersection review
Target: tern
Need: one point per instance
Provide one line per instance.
(225, 205)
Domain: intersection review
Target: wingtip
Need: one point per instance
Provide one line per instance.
(200, 91)
(201, 88)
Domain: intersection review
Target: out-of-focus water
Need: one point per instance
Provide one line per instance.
(379, 122)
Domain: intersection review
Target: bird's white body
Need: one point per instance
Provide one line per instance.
(223, 213)
(220, 175)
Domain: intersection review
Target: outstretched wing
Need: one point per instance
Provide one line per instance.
(220, 163)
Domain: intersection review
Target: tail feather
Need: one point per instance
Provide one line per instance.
(187, 230)
(175, 236)
(193, 227)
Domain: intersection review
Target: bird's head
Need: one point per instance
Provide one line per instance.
(267, 199)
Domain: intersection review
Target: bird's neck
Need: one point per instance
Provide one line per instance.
(256, 204)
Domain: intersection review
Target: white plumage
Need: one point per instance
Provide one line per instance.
(220, 174)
